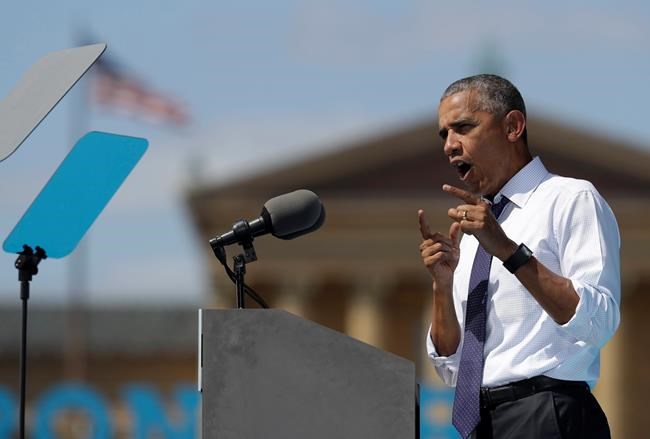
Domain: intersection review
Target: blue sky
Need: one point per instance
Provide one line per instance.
(272, 81)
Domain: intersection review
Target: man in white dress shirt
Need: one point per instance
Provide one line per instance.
(523, 303)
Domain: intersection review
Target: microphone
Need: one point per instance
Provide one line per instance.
(286, 216)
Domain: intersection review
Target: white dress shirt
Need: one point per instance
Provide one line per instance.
(572, 231)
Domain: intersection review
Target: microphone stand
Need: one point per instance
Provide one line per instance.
(240, 262)
(240, 271)
(239, 266)
(27, 265)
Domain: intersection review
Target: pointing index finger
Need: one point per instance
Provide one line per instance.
(468, 197)
(424, 225)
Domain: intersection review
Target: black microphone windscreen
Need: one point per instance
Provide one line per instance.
(295, 213)
(319, 222)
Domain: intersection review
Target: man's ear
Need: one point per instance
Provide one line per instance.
(515, 124)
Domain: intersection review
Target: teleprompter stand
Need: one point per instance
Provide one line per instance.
(27, 265)
(31, 99)
(65, 209)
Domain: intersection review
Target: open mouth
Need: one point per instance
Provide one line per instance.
(462, 168)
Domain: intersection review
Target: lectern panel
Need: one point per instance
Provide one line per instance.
(270, 374)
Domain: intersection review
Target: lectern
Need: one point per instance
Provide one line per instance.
(266, 373)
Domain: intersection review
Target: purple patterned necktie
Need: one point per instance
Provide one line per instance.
(466, 414)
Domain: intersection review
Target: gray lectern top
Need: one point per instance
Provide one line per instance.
(39, 90)
(270, 374)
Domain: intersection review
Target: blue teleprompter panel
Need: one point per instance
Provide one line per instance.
(77, 193)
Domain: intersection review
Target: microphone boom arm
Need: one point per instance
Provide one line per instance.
(237, 277)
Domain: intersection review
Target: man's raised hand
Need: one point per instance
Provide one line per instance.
(475, 218)
(440, 253)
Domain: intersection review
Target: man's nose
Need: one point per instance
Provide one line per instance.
(452, 145)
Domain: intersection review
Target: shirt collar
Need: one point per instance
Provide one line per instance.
(522, 185)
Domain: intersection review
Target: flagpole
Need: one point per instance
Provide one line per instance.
(74, 362)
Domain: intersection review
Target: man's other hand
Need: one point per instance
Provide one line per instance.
(440, 253)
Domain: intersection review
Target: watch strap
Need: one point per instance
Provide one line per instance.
(518, 258)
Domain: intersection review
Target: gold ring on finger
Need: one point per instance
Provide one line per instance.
(464, 215)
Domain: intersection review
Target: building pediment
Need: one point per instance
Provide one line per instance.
(411, 160)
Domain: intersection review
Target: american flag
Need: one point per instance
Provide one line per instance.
(113, 88)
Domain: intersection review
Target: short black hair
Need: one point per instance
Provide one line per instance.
(496, 95)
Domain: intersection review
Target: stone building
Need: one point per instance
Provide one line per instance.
(361, 272)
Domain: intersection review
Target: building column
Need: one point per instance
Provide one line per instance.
(610, 388)
(364, 309)
(224, 295)
(427, 371)
(294, 294)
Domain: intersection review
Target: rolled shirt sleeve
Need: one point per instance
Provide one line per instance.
(446, 367)
(589, 251)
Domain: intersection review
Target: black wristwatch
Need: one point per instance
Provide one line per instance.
(518, 258)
